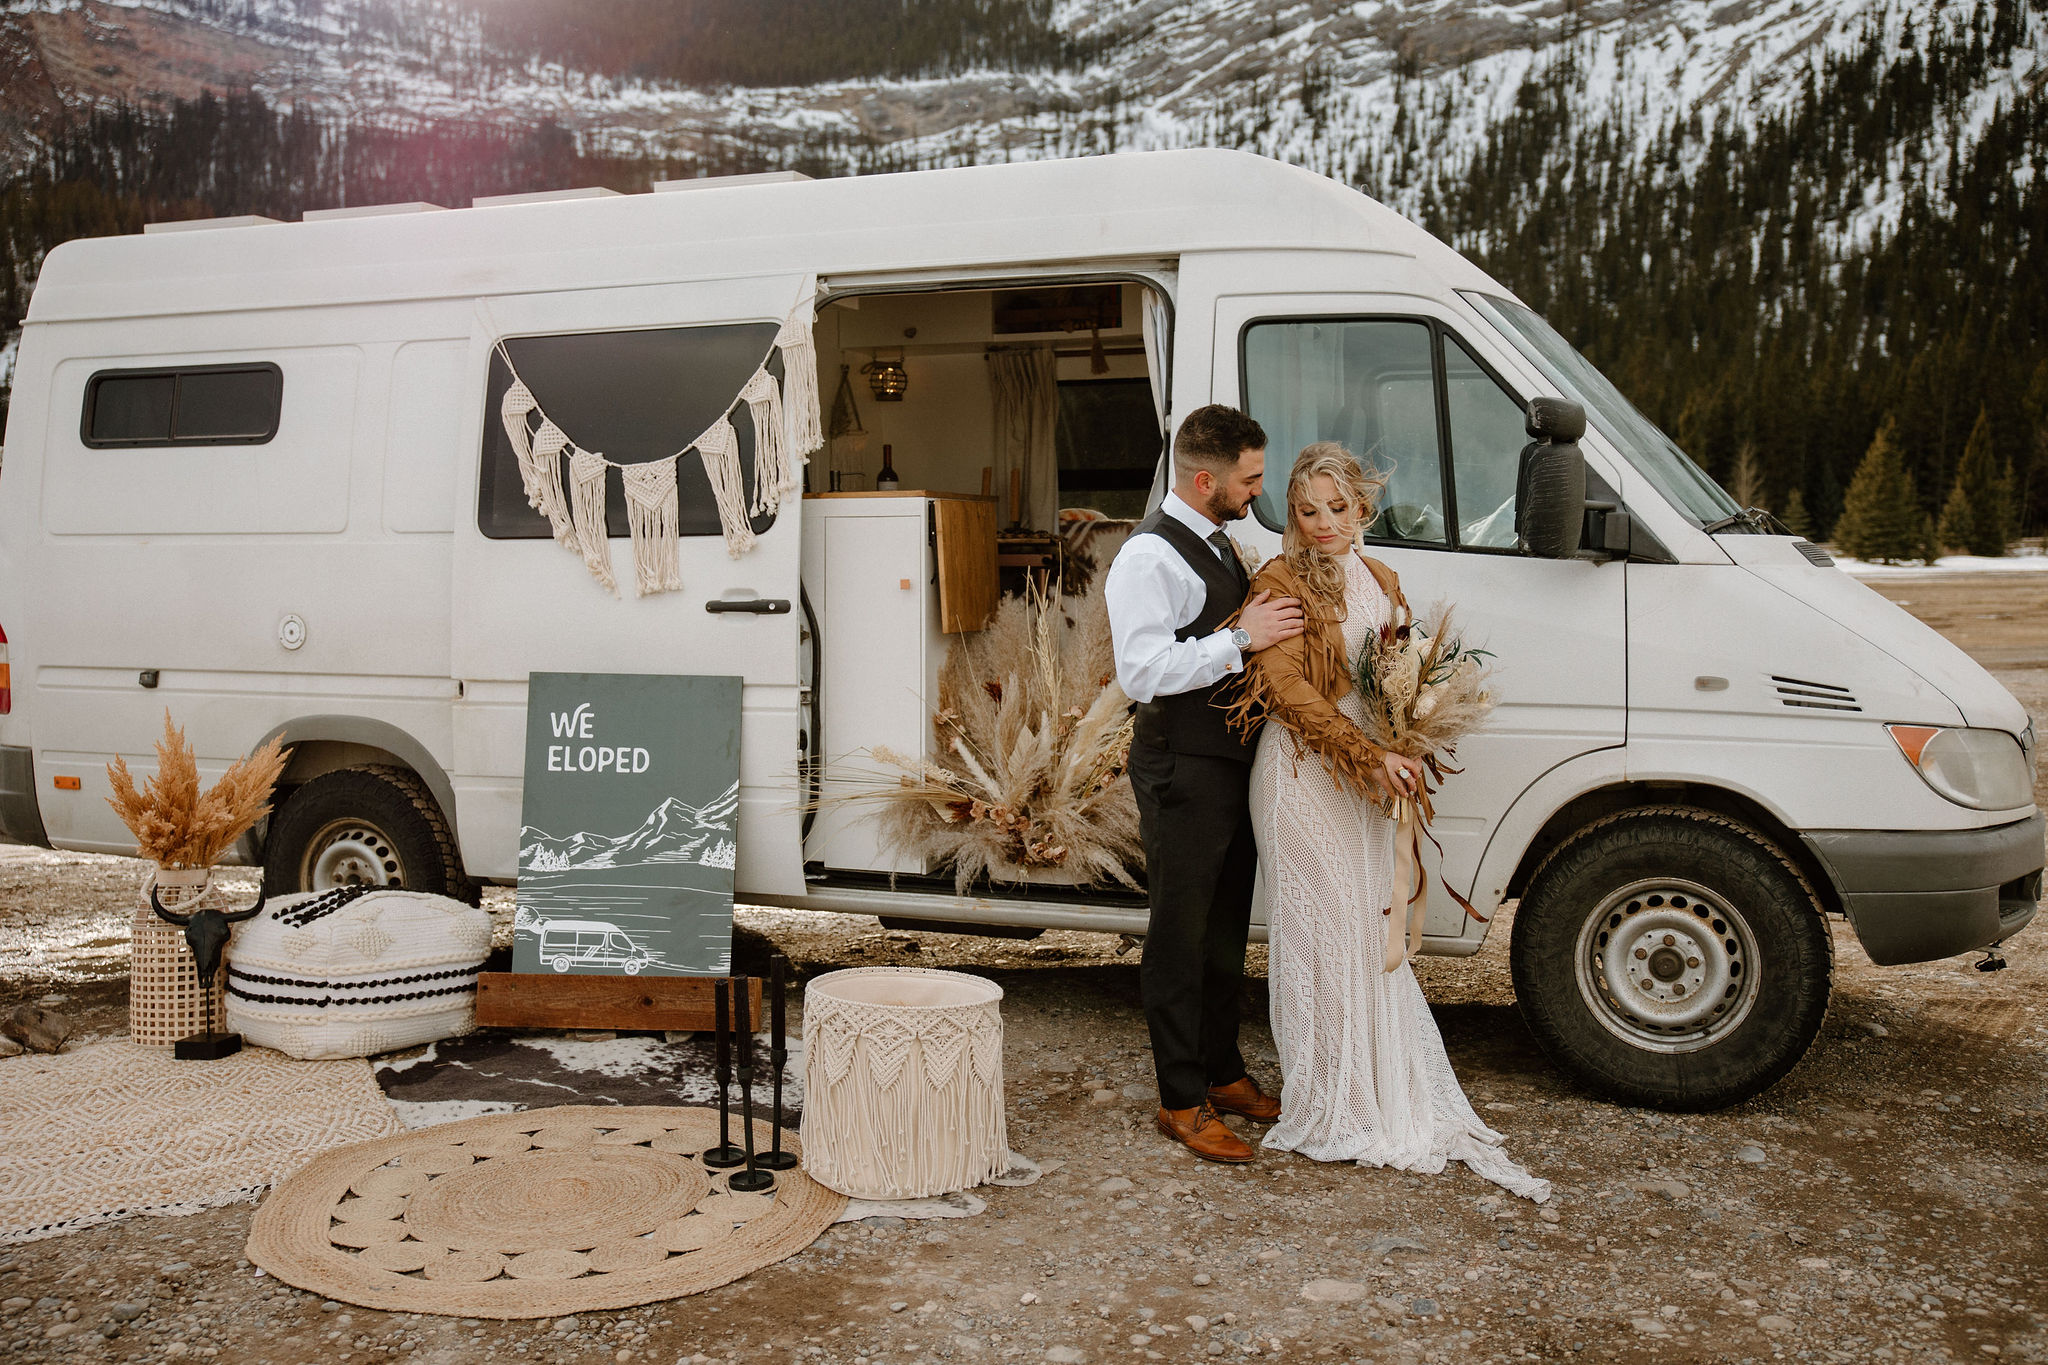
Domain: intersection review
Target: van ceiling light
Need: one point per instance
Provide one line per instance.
(887, 378)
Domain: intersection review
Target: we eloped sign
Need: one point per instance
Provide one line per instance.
(630, 817)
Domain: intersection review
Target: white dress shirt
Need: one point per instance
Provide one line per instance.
(1152, 592)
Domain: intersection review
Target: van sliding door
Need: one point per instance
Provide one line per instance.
(637, 374)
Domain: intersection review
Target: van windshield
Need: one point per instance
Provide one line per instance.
(1656, 456)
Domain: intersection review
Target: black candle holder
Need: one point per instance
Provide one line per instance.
(775, 1158)
(724, 1154)
(753, 1179)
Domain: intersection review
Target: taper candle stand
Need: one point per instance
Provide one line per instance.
(753, 1179)
(776, 1159)
(724, 1154)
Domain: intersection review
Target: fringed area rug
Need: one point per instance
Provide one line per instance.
(535, 1215)
(117, 1130)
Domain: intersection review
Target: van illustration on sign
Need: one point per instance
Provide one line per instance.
(631, 805)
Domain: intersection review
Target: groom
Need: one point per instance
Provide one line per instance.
(1176, 580)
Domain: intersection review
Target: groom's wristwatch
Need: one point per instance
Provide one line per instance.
(1242, 638)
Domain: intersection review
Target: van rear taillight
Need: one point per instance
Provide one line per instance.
(6, 679)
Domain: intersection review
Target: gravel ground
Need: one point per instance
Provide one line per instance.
(1888, 1201)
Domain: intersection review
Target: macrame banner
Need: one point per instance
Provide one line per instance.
(787, 428)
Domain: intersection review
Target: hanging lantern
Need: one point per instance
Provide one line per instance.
(887, 379)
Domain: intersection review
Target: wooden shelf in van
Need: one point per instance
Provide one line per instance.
(565, 1000)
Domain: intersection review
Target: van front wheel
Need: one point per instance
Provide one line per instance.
(375, 825)
(1672, 957)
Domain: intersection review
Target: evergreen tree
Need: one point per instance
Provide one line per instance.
(1977, 518)
(2030, 504)
(1794, 516)
(1881, 517)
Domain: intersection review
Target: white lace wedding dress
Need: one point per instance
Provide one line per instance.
(1363, 1066)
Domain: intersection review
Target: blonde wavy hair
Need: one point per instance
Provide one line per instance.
(1320, 574)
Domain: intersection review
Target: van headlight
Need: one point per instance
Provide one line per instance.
(1981, 769)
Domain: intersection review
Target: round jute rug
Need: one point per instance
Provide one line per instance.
(533, 1215)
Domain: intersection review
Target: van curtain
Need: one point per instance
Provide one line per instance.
(1025, 384)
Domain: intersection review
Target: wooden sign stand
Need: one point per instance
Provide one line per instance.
(554, 1000)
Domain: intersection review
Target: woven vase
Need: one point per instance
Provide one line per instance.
(164, 999)
(903, 1082)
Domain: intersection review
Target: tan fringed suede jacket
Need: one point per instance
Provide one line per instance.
(1299, 682)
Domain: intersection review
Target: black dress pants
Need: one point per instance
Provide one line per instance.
(1194, 815)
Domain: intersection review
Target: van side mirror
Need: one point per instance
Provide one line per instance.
(1550, 486)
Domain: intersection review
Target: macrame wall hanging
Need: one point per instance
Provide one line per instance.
(786, 430)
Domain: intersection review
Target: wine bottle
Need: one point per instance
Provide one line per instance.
(887, 478)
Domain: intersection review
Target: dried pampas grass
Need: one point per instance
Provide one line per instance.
(1032, 739)
(176, 824)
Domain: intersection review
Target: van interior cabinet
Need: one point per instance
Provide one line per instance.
(893, 578)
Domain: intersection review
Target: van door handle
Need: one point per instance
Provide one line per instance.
(759, 606)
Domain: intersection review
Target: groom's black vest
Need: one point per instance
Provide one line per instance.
(1192, 722)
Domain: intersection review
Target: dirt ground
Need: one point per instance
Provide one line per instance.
(1899, 1211)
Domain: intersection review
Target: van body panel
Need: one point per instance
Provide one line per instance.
(1857, 607)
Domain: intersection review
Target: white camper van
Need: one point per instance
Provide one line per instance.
(255, 474)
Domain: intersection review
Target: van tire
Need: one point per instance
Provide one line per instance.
(1638, 908)
(384, 810)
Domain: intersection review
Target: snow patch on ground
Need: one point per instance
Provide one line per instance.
(2027, 561)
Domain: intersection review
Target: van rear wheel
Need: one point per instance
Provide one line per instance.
(1672, 957)
(376, 825)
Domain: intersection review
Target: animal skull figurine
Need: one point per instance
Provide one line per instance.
(206, 933)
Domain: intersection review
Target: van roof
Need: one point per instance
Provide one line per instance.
(584, 926)
(1134, 207)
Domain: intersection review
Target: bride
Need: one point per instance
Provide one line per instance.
(1365, 1075)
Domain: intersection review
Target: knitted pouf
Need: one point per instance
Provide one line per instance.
(903, 1082)
(356, 971)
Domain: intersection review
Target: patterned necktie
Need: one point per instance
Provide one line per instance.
(1221, 541)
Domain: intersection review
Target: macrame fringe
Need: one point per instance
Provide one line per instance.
(719, 448)
(805, 431)
(654, 518)
(586, 481)
(539, 454)
(548, 444)
(773, 468)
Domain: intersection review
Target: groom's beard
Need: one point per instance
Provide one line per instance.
(1221, 508)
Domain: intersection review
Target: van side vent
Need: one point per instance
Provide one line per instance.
(1814, 696)
(1815, 556)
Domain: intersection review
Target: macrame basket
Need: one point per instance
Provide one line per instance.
(903, 1082)
(164, 999)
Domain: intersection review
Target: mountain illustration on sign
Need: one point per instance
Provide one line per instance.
(673, 832)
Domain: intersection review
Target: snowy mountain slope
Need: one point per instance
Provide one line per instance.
(1395, 97)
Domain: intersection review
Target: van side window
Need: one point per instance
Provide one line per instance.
(1486, 445)
(195, 405)
(634, 396)
(1369, 383)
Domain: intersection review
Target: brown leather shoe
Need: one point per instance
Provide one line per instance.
(1243, 1096)
(1204, 1134)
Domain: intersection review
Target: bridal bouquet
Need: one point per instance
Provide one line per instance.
(1424, 689)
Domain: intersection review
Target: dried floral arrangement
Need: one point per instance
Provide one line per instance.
(1424, 688)
(1033, 738)
(177, 824)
